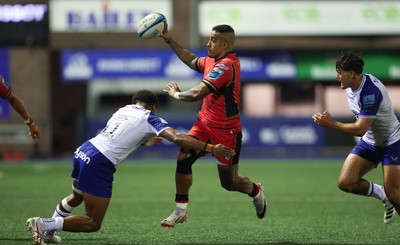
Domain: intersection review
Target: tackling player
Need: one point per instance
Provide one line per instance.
(379, 129)
(6, 92)
(95, 162)
(218, 120)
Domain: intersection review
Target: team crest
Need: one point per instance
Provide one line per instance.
(215, 73)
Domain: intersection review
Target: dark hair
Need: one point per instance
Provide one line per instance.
(350, 61)
(145, 96)
(223, 29)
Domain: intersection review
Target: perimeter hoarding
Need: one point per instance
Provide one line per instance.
(86, 65)
(5, 108)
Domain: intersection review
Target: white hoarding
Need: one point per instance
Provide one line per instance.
(104, 15)
(262, 18)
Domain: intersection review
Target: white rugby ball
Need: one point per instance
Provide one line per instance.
(152, 25)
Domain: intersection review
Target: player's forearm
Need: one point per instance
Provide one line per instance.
(188, 96)
(188, 142)
(185, 55)
(347, 128)
(19, 107)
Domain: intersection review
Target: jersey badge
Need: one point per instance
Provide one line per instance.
(215, 73)
(369, 101)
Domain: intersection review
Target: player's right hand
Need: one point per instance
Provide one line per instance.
(222, 151)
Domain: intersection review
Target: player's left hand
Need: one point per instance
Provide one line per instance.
(34, 131)
(322, 119)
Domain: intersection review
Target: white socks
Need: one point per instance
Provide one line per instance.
(377, 191)
(50, 224)
(57, 220)
(181, 205)
(59, 213)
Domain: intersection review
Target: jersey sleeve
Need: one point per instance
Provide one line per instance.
(220, 75)
(5, 88)
(157, 123)
(200, 64)
(370, 102)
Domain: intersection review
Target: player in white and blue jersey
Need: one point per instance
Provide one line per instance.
(95, 162)
(379, 129)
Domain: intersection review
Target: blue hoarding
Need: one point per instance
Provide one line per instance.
(5, 110)
(86, 65)
(258, 133)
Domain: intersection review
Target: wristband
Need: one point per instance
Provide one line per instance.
(205, 147)
(29, 121)
(209, 148)
(176, 95)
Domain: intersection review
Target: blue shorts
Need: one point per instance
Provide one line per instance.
(389, 155)
(94, 172)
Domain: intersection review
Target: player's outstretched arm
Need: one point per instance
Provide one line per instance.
(185, 55)
(194, 94)
(19, 106)
(189, 142)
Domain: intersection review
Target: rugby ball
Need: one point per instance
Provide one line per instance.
(152, 25)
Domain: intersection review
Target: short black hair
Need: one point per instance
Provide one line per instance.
(223, 29)
(350, 61)
(145, 96)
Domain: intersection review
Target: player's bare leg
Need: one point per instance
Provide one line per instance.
(183, 182)
(64, 209)
(95, 210)
(351, 180)
(232, 181)
(392, 187)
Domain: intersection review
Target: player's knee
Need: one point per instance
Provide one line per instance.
(184, 166)
(228, 185)
(393, 195)
(344, 185)
(94, 226)
(185, 162)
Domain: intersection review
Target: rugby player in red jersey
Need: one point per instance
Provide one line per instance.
(218, 120)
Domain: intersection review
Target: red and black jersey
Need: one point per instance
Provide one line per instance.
(5, 88)
(220, 108)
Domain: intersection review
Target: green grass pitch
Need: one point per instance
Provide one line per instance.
(305, 206)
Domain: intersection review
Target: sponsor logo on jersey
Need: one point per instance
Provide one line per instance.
(121, 117)
(80, 154)
(222, 66)
(369, 100)
(215, 73)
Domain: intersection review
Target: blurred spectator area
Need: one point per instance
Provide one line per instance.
(301, 100)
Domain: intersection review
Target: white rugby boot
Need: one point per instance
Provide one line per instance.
(50, 237)
(34, 227)
(389, 213)
(260, 202)
(178, 216)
